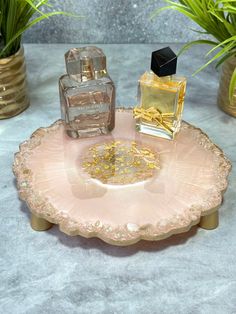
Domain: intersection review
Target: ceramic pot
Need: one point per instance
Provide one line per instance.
(13, 88)
(223, 95)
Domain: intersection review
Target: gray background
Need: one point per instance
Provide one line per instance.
(111, 21)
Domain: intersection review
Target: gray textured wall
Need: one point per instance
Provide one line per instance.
(112, 21)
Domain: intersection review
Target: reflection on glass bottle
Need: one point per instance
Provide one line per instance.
(161, 97)
(87, 93)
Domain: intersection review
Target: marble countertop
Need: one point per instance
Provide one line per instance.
(53, 273)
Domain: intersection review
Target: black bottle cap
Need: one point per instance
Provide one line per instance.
(164, 62)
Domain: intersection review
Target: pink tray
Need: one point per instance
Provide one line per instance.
(123, 187)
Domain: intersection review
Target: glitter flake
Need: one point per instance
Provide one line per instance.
(120, 162)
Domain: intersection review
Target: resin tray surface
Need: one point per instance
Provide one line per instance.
(122, 187)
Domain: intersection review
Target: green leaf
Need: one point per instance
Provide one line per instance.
(12, 9)
(16, 18)
(226, 57)
(211, 15)
(215, 17)
(35, 21)
(199, 32)
(196, 42)
(224, 44)
(35, 7)
(217, 56)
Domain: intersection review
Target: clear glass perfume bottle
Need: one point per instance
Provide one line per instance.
(161, 97)
(87, 93)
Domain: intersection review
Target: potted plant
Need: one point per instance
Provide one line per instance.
(15, 19)
(218, 19)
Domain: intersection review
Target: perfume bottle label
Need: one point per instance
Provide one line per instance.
(90, 109)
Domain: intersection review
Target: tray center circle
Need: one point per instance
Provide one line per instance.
(120, 162)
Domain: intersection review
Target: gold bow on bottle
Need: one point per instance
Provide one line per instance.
(154, 115)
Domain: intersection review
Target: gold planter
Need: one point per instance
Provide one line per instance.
(13, 90)
(223, 95)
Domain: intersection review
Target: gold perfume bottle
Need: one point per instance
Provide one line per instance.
(161, 97)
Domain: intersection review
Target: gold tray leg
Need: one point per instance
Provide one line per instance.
(210, 221)
(39, 224)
